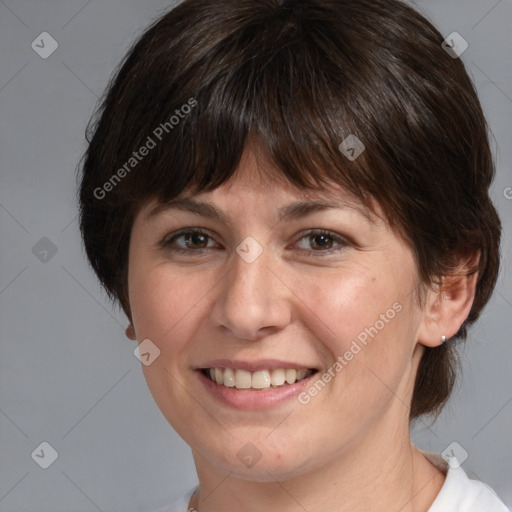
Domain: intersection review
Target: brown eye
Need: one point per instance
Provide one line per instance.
(189, 240)
(193, 240)
(322, 242)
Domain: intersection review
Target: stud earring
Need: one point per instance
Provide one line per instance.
(443, 338)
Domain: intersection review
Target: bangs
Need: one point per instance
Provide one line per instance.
(287, 94)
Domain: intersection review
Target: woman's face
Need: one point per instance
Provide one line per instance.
(260, 294)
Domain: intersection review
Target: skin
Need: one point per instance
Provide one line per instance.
(349, 448)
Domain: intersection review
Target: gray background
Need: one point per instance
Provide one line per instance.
(68, 375)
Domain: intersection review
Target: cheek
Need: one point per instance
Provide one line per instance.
(364, 318)
(345, 304)
(162, 300)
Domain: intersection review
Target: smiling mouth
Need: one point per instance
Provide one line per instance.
(261, 380)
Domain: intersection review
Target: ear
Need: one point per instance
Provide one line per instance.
(448, 306)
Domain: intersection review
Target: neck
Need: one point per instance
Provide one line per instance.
(370, 475)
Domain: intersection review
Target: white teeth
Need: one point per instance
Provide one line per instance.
(262, 379)
(278, 377)
(291, 375)
(229, 378)
(242, 379)
(301, 374)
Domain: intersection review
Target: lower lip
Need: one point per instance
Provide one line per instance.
(254, 399)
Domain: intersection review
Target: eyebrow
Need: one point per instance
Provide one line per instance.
(292, 211)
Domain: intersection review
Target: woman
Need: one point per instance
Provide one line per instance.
(290, 202)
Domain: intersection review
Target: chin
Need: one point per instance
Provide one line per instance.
(266, 465)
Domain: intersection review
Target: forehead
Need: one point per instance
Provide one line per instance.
(217, 204)
(257, 177)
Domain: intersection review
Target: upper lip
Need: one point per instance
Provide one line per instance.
(253, 366)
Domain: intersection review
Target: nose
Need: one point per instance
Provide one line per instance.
(252, 299)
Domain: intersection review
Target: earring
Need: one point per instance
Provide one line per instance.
(443, 338)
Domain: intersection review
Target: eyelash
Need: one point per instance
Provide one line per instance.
(167, 241)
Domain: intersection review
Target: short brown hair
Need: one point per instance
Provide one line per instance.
(301, 76)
